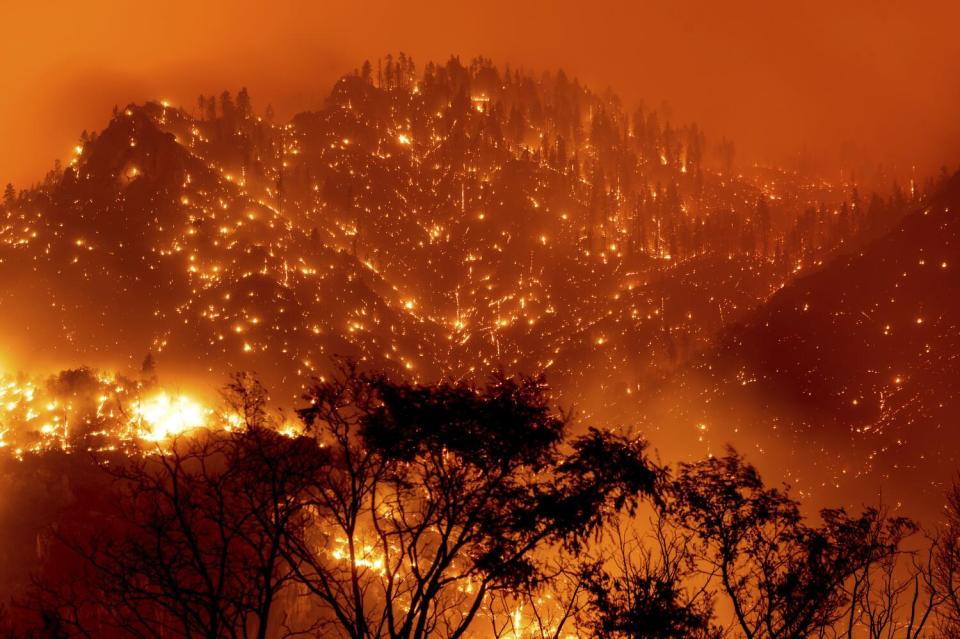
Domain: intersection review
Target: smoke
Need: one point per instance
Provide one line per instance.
(851, 85)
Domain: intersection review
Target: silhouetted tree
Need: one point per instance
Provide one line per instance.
(894, 598)
(947, 573)
(244, 107)
(783, 578)
(726, 152)
(227, 108)
(211, 112)
(404, 511)
(188, 543)
(645, 588)
(246, 398)
(440, 497)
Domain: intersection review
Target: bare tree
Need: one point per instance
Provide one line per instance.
(947, 573)
(895, 597)
(900, 595)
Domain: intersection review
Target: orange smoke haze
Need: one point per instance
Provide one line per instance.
(847, 81)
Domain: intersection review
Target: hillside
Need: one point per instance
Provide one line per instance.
(436, 224)
(852, 367)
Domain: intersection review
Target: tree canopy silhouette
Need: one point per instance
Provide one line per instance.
(442, 495)
(400, 512)
(782, 576)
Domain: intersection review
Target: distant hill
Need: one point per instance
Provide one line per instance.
(853, 368)
(442, 223)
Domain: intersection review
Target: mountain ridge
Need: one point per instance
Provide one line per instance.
(852, 363)
(437, 225)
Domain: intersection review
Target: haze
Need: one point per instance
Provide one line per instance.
(843, 82)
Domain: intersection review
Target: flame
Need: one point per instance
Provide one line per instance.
(162, 416)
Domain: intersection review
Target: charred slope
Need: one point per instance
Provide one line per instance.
(855, 366)
(448, 223)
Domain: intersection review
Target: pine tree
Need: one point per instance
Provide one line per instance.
(227, 108)
(211, 108)
(244, 108)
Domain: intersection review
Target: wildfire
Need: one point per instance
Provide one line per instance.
(162, 416)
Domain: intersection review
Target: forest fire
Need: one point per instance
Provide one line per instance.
(468, 347)
(166, 417)
(80, 407)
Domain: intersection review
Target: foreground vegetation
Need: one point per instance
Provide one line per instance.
(454, 510)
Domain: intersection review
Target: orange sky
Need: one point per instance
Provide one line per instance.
(874, 77)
